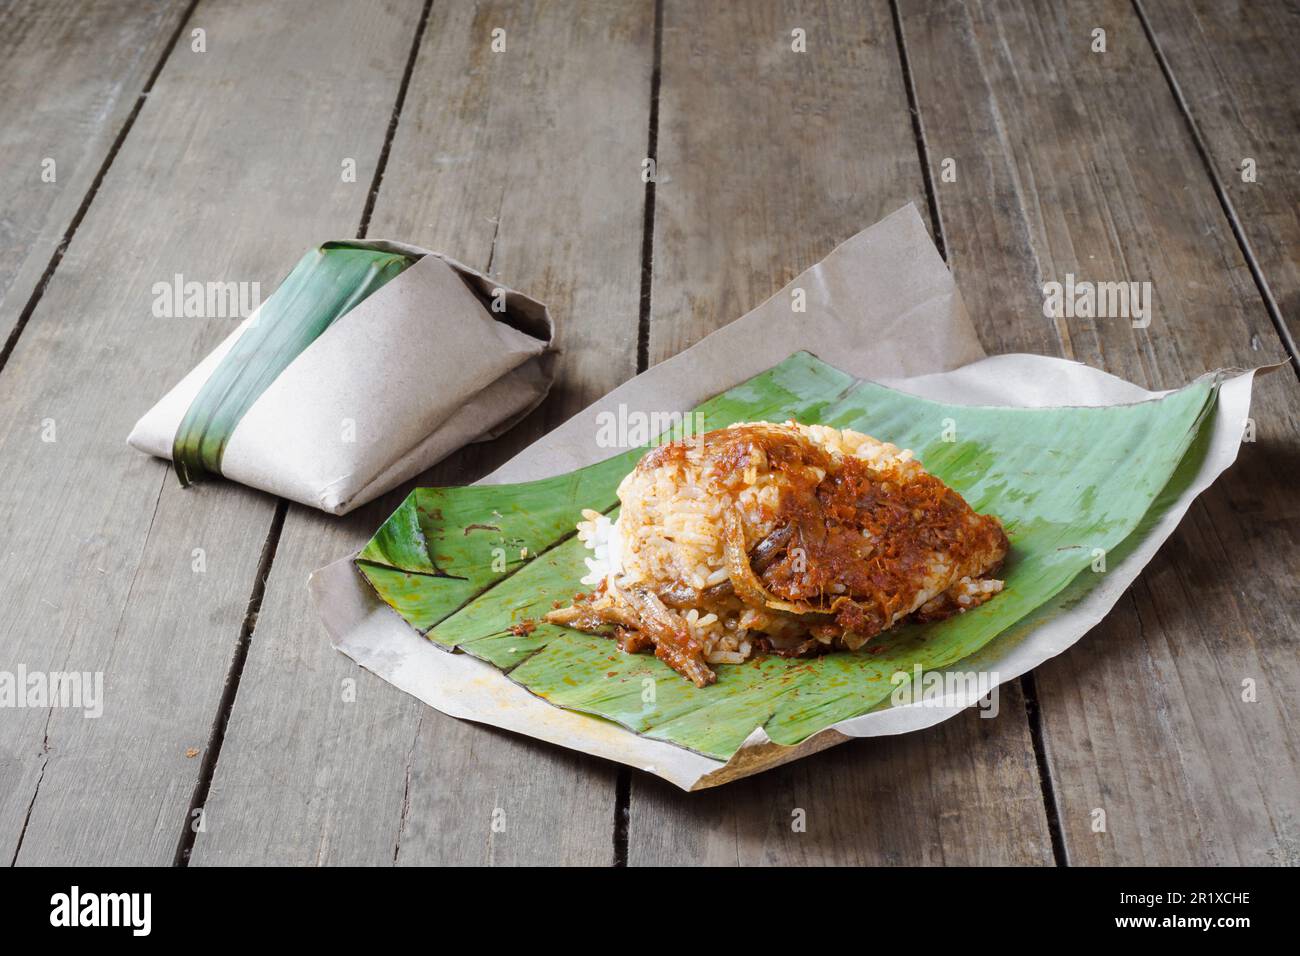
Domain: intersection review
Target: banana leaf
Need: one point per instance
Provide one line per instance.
(474, 569)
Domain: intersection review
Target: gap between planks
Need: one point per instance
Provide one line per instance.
(57, 256)
(29, 308)
(1027, 682)
(922, 149)
(648, 222)
(1221, 192)
(623, 780)
(217, 735)
(1034, 714)
(1028, 688)
(212, 753)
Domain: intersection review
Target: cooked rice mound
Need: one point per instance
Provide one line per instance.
(787, 539)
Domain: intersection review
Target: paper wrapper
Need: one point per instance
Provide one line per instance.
(881, 306)
(416, 370)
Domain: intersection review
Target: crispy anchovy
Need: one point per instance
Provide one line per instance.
(748, 587)
(685, 661)
(769, 549)
(584, 617)
(678, 595)
(761, 557)
(650, 625)
(799, 650)
(673, 645)
(631, 641)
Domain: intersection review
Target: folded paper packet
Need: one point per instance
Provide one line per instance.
(345, 383)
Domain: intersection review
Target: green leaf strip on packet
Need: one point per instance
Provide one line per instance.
(326, 284)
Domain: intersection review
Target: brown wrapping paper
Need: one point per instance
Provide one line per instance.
(413, 372)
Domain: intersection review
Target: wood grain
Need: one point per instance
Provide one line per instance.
(1235, 68)
(768, 159)
(71, 72)
(231, 170)
(963, 793)
(1070, 161)
(526, 163)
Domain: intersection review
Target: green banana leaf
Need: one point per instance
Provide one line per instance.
(474, 569)
(326, 284)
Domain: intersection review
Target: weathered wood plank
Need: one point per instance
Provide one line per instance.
(767, 159)
(71, 72)
(1076, 162)
(231, 170)
(957, 794)
(1235, 67)
(527, 161)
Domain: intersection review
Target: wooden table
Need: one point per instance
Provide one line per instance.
(1033, 155)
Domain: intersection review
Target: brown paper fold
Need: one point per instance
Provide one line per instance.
(438, 357)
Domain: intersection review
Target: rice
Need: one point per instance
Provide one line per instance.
(664, 565)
